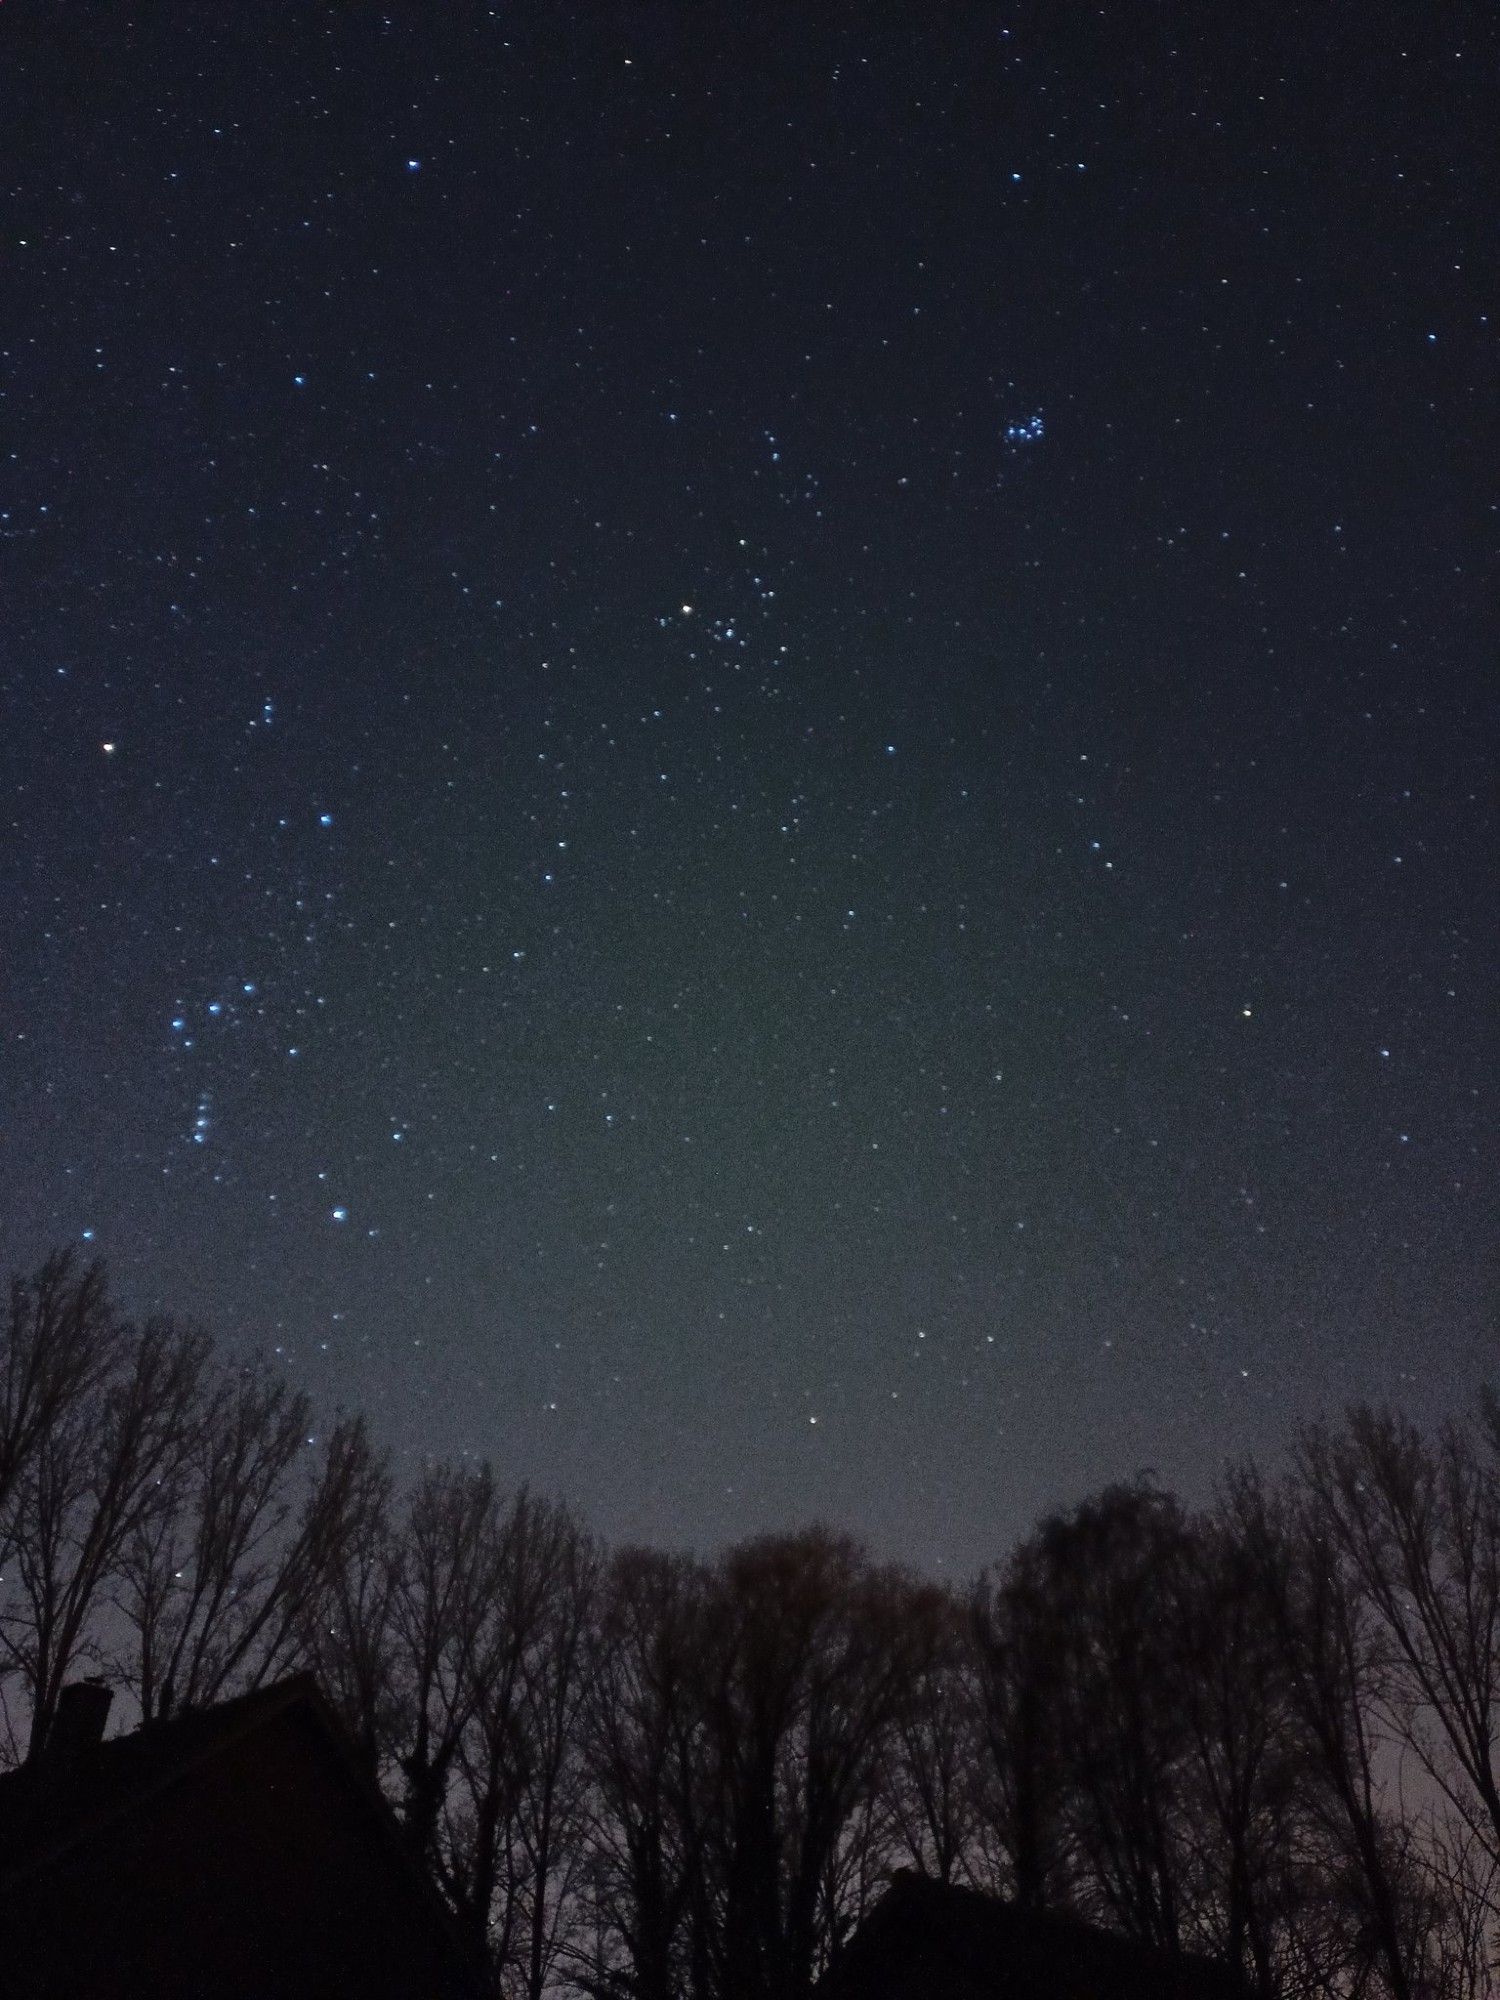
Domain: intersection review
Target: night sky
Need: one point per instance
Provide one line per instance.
(746, 748)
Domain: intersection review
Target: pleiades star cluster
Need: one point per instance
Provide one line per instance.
(746, 749)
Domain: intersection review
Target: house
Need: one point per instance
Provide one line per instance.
(234, 1851)
(927, 1940)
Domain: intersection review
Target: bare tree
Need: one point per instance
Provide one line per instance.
(1419, 1524)
(60, 1339)
(809, 1660)
(644, 1723)
(217, 1582)
(93, 1481)
(1467, 1959)
(1244, 1751)
(1103, 1576)
(551, 1821)
(661, 1779)
(1332, 1658)
(928, 1781)
(444, 1577)
(478, 1855)
(201, 1571)
(483, 1616)
(348, 1629)
(1022, 1838)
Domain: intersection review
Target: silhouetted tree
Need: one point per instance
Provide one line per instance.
(348, 1627)
(644, 1726)
(1106, 1575)
(217, 1581)
(1419, 1525)
(1332, 1660)
(929, 1777)
(446, 1576)
(483, 1614)
(653, 1777)
(1019, 1645)
(91, 1482)
(551, 1819)
(809, 1657)
(1243, 1757)
(59, 1342)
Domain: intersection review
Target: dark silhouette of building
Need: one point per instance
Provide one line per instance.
(927, 1941)
(232, 1852)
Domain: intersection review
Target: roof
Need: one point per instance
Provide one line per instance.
(52, 1804)
(925, 1937)
(58, 1804)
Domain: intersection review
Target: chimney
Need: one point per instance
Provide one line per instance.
(78, 1725)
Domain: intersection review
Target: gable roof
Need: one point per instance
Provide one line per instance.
(925, 1937)
(55, 1805)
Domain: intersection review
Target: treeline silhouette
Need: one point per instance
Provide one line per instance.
(1263, 1731)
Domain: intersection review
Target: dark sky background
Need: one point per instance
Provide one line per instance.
(746, 749)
